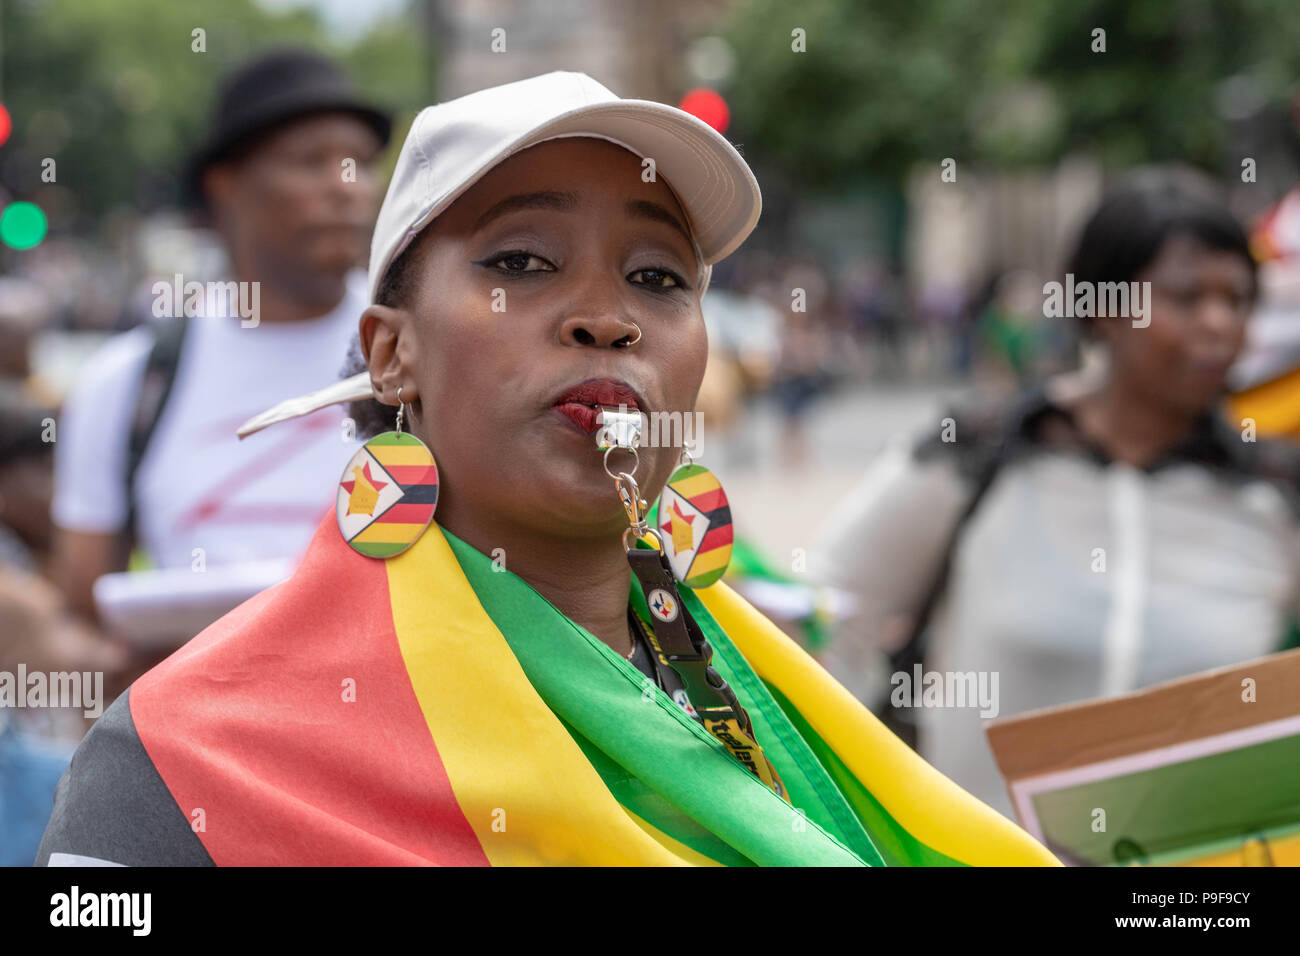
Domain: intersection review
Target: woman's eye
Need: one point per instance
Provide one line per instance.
(519, 262)
(658, 278)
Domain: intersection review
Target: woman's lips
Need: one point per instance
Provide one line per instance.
(584, 416)
(581, 403)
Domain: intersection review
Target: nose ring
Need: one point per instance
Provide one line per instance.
(628, 345)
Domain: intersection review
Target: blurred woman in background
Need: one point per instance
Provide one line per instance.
(1103, 532)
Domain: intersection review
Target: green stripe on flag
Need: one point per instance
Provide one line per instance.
(809, 787)
(393, 438)
(895, 843)
(890, 844)
(804, 776)
(598, 695)
(380, 549)
(638, 798)
(688, 471)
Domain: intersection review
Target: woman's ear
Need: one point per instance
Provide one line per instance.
(385, 335)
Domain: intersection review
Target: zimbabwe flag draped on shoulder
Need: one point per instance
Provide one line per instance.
(434, 709)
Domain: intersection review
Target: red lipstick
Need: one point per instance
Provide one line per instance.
(581, 403)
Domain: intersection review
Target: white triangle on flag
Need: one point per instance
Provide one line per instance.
(353, 524)
(681, 561)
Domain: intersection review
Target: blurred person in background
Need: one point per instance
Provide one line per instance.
(799, 381)
(37, 631)
(1103, 532)
(946, 316)
(876, 301)
(744, 343)
(26, 480)
(146, 452)
(1015, 335)
(800, 376)
(24, 313)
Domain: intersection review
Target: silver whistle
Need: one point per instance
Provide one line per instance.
(619, 428)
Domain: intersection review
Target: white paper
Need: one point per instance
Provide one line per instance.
(157, 609)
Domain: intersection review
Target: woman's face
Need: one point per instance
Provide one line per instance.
(523, 288)
(1200, 301)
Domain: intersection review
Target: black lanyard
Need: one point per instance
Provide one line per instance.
(683, 662)
(642, 656)
(682, 655)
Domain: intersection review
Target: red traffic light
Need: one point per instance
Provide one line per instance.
(708, 106)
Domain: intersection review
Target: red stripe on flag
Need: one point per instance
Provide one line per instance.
(254, 722)
(717, 538)
(709, 500)
(413, 474)
(405, 514)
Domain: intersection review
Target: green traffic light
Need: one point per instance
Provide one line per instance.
(22, 225)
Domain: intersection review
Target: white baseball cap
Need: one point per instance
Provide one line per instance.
(452, 145)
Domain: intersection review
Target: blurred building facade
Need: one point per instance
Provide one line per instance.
(589, 36)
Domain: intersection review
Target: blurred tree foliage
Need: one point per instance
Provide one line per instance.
(115, 92)
(886, 83)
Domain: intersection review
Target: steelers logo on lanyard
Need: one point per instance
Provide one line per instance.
(662, 605)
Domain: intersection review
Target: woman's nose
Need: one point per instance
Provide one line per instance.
(601, 331)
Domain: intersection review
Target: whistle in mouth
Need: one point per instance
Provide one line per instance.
(618, 428)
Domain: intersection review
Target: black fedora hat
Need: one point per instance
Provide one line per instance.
(277, 87)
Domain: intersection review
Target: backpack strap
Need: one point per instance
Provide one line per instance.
(155, 388)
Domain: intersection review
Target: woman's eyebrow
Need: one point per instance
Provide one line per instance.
(568, 201)
(645, 209)
(561, 201)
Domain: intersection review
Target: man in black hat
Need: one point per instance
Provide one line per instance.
(146, 453)
(276, 178)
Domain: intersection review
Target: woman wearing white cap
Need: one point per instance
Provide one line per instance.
(544, 673)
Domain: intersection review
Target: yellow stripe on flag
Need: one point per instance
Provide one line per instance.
(399, 454)
(688, 856)
(523, 784)
(385, 532)
(922, 800)
(710, 560)
(690, 487)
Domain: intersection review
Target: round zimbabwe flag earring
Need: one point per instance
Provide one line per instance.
(694, 521)
(388, 492)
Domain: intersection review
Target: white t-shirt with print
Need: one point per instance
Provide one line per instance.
(199, 486)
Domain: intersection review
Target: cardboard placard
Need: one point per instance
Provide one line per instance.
(1203, 770)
